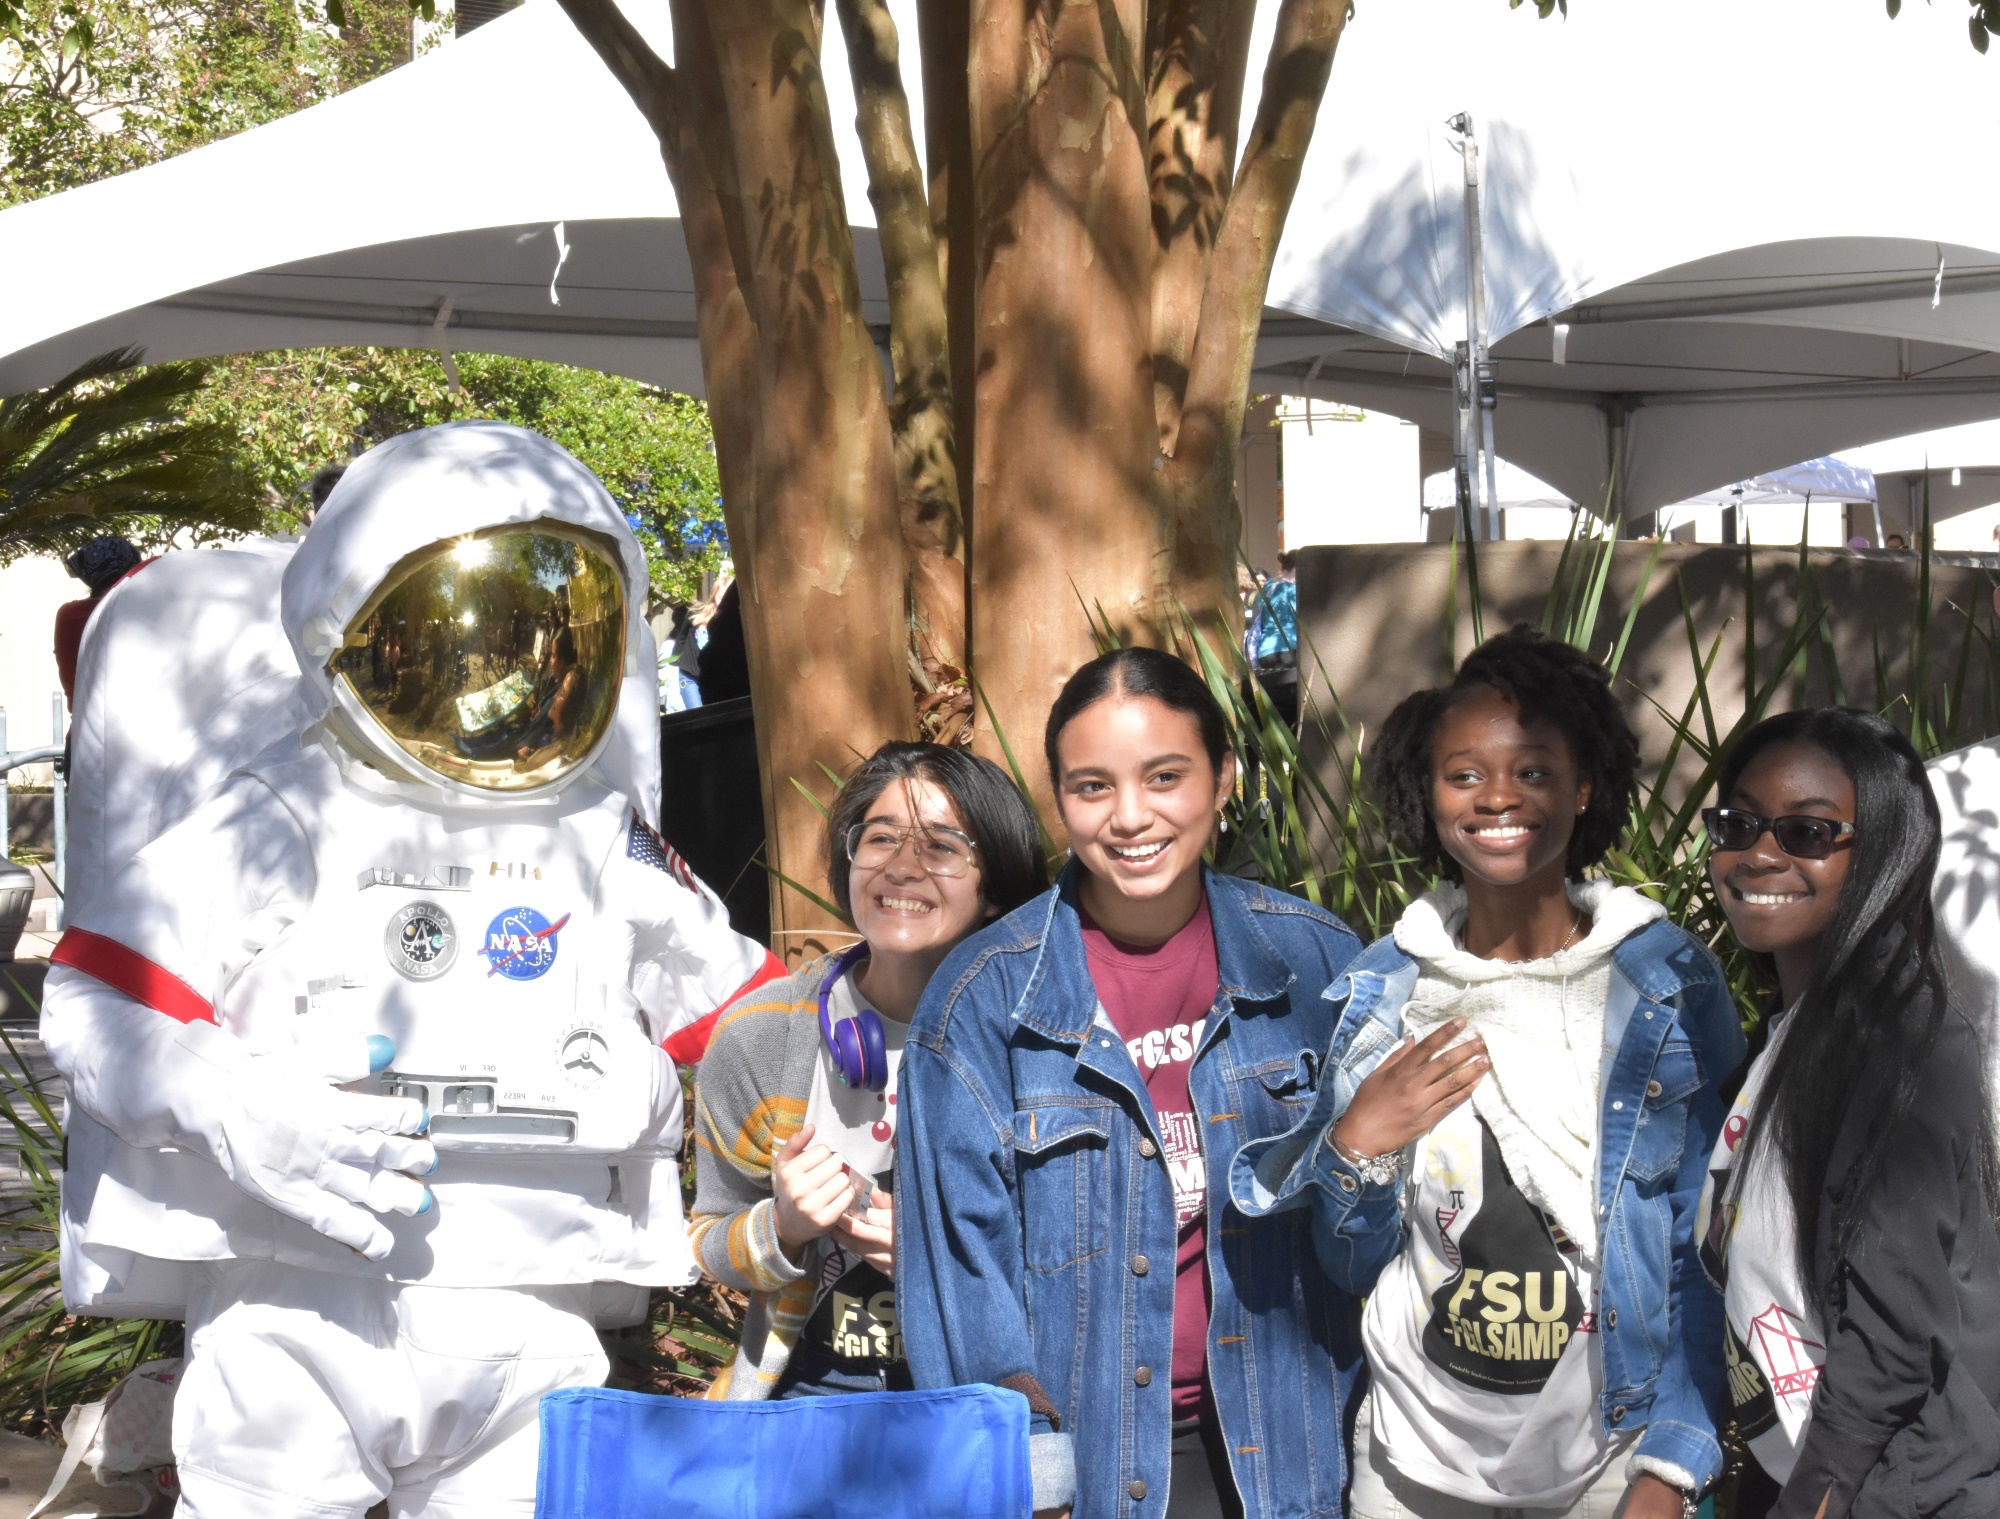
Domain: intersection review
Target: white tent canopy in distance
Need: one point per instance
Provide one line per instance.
(1747, 272)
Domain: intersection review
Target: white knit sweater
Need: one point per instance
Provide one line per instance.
(1543, 1023)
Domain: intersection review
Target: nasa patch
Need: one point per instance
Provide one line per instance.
(521, 943)
(421, 941)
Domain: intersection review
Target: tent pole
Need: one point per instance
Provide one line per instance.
(1482, 389)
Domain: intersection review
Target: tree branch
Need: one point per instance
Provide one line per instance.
(646, 76)
(919, 335)
(1232, 306)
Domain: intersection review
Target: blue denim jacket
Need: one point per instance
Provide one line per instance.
(1660, 1320)
(1035, 1214)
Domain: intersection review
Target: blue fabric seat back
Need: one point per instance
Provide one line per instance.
(955, 1453)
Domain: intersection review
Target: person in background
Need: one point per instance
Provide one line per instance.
(99, 564)
(1897, 541)
(1273, 637)
(1849, 1216)
(725, 662)
(795, 1103)
(1511, 1137)
(685, 644)
(1075, 1076)
(324, 479)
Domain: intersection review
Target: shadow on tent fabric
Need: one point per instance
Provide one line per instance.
(956, 1453)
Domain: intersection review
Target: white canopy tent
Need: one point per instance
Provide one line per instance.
(1747, 279)
(1749, 274)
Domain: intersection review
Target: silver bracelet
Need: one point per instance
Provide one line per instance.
(1376, 1170)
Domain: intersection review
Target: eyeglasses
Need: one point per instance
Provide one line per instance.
(940, 851)
(1800, 836)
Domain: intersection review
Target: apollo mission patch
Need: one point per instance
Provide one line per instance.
(421, 941)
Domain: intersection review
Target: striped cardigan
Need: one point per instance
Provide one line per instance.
(749, 1098)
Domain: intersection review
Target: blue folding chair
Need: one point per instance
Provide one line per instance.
(956, 1453)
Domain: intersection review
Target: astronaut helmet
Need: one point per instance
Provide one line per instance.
(468, 613)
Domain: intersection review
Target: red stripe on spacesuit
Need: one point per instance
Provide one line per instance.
(128, 971)
(686, 1046)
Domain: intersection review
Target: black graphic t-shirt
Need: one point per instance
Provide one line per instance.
(1481, 1335)
(1504, 1318)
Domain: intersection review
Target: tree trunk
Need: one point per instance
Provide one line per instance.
(795, 391)
(1065, 528)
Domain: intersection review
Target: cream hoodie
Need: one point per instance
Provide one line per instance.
(1543, 1023)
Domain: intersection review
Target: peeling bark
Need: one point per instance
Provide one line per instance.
(1064, 455)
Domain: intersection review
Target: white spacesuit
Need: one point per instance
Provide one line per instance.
(370, 1055)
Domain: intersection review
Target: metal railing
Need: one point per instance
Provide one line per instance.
(11, 760)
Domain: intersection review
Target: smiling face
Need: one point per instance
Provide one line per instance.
(899, 907)
(1777, 904)
(1139, 799)
(1505, 794)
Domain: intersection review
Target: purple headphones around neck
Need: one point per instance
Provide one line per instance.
(855, 1043)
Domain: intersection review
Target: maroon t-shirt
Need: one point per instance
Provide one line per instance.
(1159, 1000)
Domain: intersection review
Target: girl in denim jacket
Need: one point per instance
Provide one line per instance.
(1524, 1092)
(1077, 1080)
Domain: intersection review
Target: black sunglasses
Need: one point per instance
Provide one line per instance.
(1800, 836)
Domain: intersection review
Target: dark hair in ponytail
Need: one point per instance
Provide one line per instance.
(1137, 672)
(1856, 1046)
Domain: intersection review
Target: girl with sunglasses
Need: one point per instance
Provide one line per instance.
(1506, 1155)
(1849, 1217)
(1080, 1076)
(795, 1102)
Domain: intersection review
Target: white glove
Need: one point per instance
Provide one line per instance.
(274, 1122)
(282, 1131)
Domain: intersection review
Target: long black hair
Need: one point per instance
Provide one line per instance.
(1857, 1044)
(1548, 680)
(997, 818)
(1137, 672)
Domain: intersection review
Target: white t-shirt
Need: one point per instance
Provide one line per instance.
(1773, 1346)
(1480, 1336)
(856, 1124)
(853, 1316)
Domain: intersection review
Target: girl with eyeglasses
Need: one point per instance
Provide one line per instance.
(1849, 1215)
(795, 1103)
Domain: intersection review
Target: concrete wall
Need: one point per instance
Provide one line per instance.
(1375, 618)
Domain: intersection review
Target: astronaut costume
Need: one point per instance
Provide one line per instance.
(371, 1055)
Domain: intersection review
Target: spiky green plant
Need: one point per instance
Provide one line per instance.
(106, 449)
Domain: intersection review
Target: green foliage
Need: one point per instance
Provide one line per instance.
(94, 87)
(296, 411)
(90, 88)
(108, 449)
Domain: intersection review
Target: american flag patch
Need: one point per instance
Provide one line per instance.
(648, 848)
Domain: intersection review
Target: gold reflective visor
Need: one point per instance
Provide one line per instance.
(493, 660)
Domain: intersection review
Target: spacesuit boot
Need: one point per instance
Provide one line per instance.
(372, 1055)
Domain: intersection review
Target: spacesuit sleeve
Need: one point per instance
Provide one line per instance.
(166, 936)
(688, 964)
(192, 909)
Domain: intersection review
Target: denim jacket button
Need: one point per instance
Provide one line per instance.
(1140, 1265)
(1137, 1490)
(1347, 1183)
(1143, 1376)
(1611, 1318)
(1618, 1414)
(1147, 1149)
(1653, 1089)
(1617, 1107)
